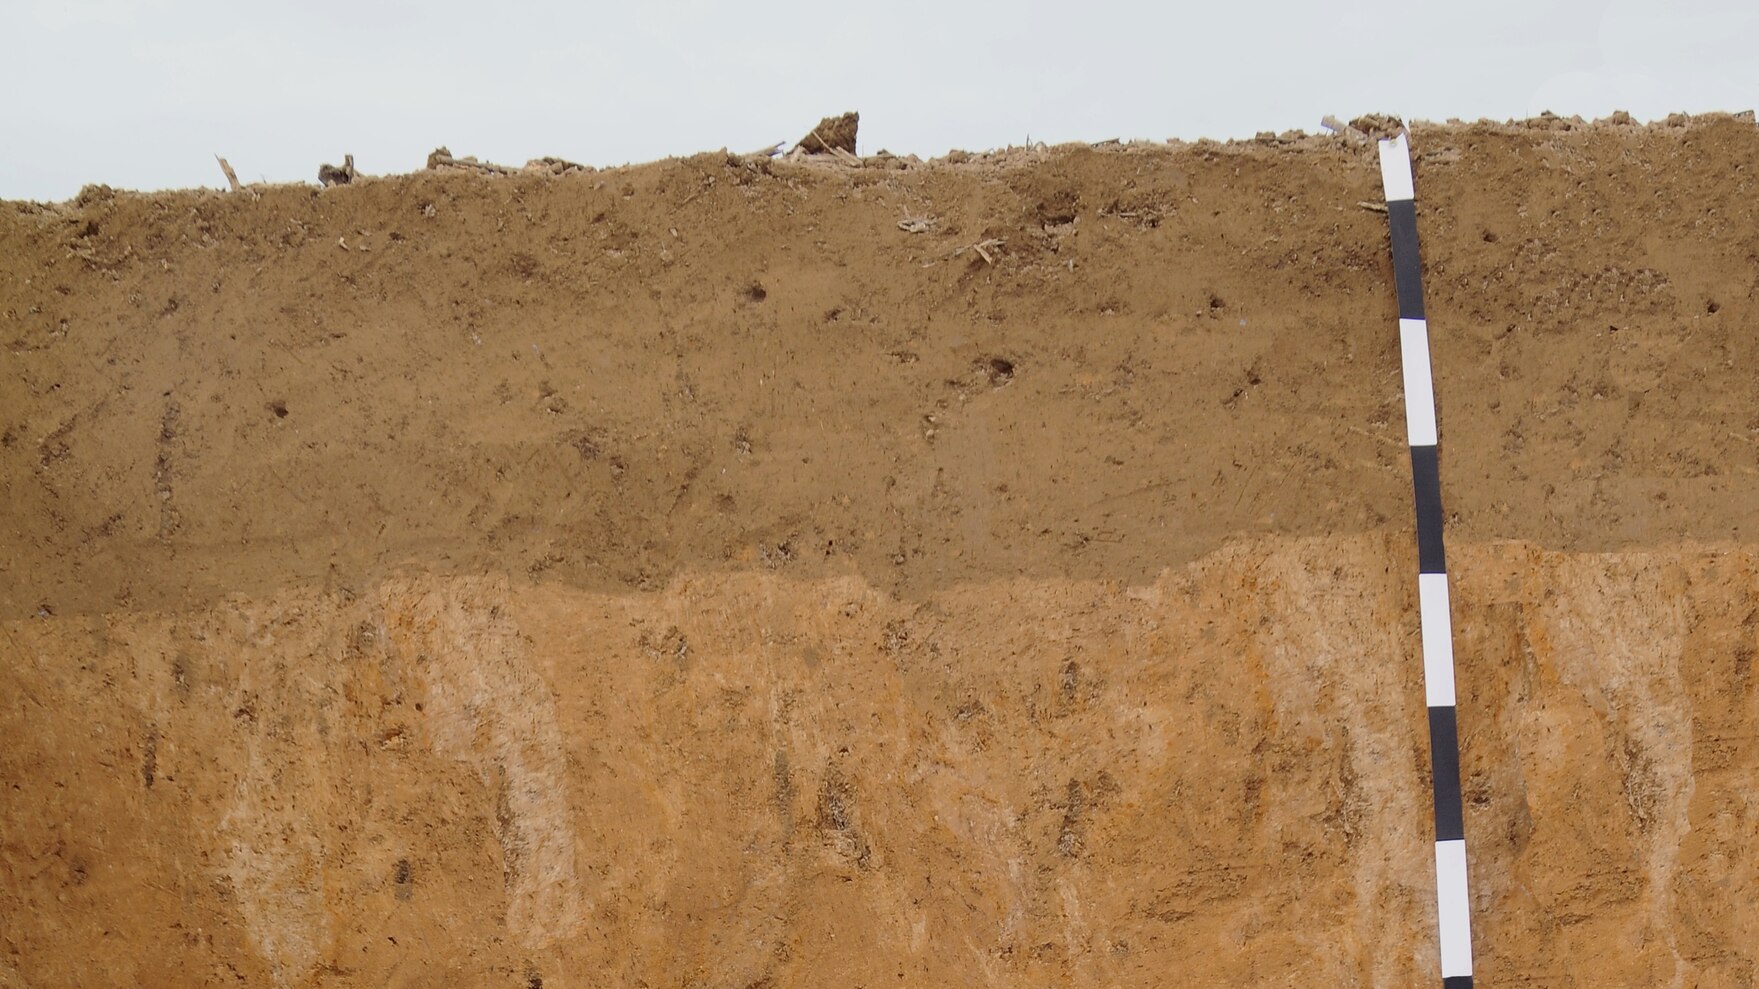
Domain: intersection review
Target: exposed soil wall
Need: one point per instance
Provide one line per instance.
(687, 575)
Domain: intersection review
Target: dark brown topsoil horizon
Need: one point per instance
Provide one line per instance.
(717, 362)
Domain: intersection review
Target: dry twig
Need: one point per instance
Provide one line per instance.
(983, 247)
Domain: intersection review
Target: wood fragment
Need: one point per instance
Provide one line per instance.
(983, 248)
(1375, 207)
(231, 176)
(441, 158)
(1336, 126)
(551, 165)
(916, 224)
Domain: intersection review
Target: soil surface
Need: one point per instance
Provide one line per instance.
(1000, 571)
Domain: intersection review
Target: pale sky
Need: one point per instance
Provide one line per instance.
(141, 94)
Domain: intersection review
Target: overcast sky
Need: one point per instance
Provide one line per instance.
(142, 93)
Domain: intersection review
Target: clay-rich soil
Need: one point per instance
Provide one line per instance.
(689, 575)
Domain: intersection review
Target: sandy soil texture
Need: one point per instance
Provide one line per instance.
(997, 571)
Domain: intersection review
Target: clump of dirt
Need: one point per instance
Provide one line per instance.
(831, 135)
(329, 175)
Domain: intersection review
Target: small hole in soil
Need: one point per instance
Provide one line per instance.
(756, 292)
(279, 408)
(1712, 307)
(999, 369)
